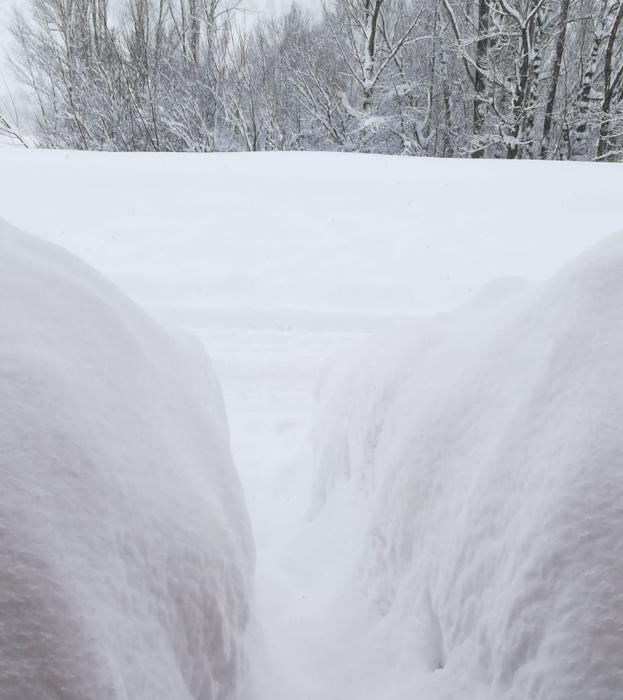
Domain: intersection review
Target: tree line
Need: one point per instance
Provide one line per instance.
(449, 78)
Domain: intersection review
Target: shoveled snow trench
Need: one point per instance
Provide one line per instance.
(451, 524)
(435, 500)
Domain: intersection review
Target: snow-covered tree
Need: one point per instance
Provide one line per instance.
(495, 78)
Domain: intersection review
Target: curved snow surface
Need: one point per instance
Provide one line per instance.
(125, 549)
(486, 452)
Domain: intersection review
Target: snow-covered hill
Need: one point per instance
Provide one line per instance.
(125, 548)
(483, 458)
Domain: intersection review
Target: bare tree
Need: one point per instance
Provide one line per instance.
(495, 78)
(603, 30)
(559, 23)
(10, 132)
(613, 81)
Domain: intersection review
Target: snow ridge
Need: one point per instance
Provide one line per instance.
(485, 450)
(126, 553)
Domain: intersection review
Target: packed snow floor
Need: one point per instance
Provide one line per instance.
(277, 262)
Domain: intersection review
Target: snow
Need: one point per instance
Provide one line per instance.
(277, 262)
(485, 450)
(126, 558)
(324, 232)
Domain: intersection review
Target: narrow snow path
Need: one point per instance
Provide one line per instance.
(302, 641)
(268, 377)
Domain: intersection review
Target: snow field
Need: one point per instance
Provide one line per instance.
(309, 231)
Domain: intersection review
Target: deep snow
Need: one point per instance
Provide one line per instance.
(486, 453)
(125, 551)
(277, 261)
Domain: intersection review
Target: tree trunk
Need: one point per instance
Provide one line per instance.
(480, 83)
(556, 67)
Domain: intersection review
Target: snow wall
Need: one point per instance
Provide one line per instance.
(125, 549)
(482, 451)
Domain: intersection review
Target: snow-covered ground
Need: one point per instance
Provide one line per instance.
(309, 231)
(278, 261)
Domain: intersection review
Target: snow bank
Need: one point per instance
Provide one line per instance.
(486, 452)
(125, 550)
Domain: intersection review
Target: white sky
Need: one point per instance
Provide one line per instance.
(280, 5)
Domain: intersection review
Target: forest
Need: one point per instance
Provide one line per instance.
(516, 79)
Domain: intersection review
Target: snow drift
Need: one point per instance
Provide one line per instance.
(486, 454)
(125, 549)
